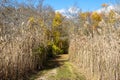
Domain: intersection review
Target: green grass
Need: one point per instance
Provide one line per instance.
(64, 72)
(67, 72)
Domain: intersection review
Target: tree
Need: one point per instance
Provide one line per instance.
(57, 21)
(111, 16)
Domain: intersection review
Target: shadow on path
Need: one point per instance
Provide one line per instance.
(56, 62)
(50, 67)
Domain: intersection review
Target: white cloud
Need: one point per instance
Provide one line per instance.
(61, 11)
(70, 12)
(106, 10)
(73, 10)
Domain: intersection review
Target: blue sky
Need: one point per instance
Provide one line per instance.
(85, 5)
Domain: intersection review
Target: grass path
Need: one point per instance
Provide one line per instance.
(59, 69)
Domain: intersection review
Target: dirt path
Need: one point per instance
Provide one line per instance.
(59, 69)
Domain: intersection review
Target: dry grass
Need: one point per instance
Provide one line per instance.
(98, 57)
(22, 47)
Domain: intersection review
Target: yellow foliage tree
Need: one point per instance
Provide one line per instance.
(41, 22)
(96, 18)
(31, 19)
(84, 16)
(111, 16)
(31, 22)
(54, 33)
(57, 21)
